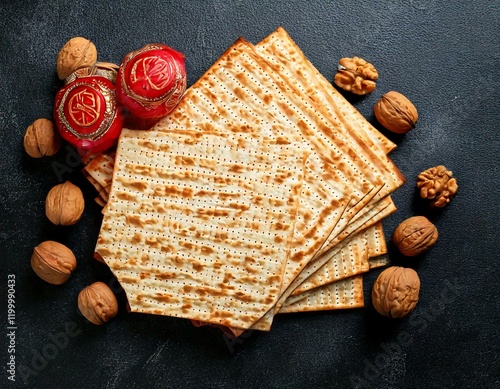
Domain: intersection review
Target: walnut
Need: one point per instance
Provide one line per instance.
(53, 262)
(64, 204)
(437, 185)
(97, 303)
(41, 139)
(77, 53)
(415, 235)
(356, 75)
(395, 292)
(396, 113)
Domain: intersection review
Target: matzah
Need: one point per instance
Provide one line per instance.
(199, 225)
(380, 261)
(285, 54)
(249, 95)
(324, 143)
(343, 294)
(364, 251)
(100, 168)
(376, 240)
(282, 52)
(279, 48)
(280, 44)
(321, 271)
(238, 76)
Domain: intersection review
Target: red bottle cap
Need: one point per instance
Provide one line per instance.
(86, 113)
(151, 81)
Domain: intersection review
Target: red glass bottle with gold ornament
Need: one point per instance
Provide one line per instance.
(151, 81)
(86, 111)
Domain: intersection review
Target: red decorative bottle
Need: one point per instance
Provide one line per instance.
(86, 112)
(151, 81)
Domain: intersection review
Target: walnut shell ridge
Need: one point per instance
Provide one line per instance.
(395, 292)
(415, 235)
(53, 262)
(97, 303)
(77, 53)
(41, 139)
(395, 112)
(64, 204)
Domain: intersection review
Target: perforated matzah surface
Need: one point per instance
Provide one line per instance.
(364, 251)
(349, 260)
(238, 94)
(380, 261)
(376, 240)
(284, 50)
(343, 294)
(298, 73)
(199, 226)
(247, 97)
(100, 168)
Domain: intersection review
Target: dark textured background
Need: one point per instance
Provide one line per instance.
(443, 55)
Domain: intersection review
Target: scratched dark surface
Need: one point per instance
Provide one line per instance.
(443, 55)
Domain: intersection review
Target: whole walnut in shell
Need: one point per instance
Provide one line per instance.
(64, 204)
(356, 75)
(415, 235)
(437, 185)
(396, 113)
(77, 53)
(53, 262)
(395, 292)
(41, 139)
(97, 303)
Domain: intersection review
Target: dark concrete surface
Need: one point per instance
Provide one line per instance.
(444, 56)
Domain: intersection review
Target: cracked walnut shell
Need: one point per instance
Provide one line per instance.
(395, 112)
(64, 204)
(97, 303)
(415, 235)
(53, 262)
(437, 185)
(41, 139)
(395, 292)
(356, 75)
(77, 53)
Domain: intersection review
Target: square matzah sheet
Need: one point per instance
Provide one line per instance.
(199, 225)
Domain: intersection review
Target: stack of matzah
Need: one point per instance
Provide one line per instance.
(261, 193)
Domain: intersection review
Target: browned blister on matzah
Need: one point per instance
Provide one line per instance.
(195, 225)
